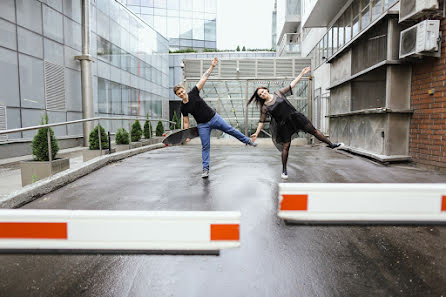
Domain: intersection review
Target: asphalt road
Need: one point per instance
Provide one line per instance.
(274, 259)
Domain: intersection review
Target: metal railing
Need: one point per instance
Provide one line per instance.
(99, 119)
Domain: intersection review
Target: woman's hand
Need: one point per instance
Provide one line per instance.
(253, 137)
(305, 70)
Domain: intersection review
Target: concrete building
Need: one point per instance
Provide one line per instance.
(188, 24)
(288, 28)
(378, 101)
(39, 41)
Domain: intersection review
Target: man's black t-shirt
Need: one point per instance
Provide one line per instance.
(197, 107)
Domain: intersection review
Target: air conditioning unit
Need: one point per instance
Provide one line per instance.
(421, 39)
(412, 9)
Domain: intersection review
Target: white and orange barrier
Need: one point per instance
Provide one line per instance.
(118, 231)
(362, 203)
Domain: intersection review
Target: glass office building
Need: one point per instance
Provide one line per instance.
(186, 23)
(39, 73)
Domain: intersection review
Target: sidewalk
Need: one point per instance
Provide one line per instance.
(10, 176)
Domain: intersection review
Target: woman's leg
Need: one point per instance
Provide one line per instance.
(309, 128)
(285, 151)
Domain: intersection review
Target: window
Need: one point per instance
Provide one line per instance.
(365, 13)
(377, 9)
(340, 25)
(348, 25)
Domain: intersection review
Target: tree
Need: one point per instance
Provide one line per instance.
(39, 144)
(136, 132)
(94, 139)
(148, 128)
(122, 136)
(244, 49)
(175, 119)
(238, 48)
(159, 129)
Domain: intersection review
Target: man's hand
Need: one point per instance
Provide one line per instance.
(214, 62)
(187, 139)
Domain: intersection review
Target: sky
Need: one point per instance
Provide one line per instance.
(245, 23)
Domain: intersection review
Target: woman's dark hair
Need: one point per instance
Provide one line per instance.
(255, 97)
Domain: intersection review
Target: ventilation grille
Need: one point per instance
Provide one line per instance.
(54, 87)
(284, 67)
(408, 7)
(192, 68)
(247, 67)
(3, 137)
(265, 68)
(228, 68)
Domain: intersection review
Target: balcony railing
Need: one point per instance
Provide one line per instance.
(290, 44)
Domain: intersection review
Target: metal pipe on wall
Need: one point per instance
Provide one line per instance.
(86, 75)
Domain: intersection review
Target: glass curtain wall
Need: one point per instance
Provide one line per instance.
(186, 23)
(132, 68)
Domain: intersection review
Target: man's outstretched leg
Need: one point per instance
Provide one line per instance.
(218, 123)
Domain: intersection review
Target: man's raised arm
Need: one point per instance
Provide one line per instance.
(206, 75)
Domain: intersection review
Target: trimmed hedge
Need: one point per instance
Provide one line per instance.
(39, 144)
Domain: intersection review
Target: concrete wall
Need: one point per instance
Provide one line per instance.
(360, 131)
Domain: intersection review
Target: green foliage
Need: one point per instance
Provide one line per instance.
(159, 129)
(188, 50)
(238, 48)
(175, 119)
(39, 144)
(94, 139)
(244, 49)
(136, 132)
(148, 128)
(122, 136)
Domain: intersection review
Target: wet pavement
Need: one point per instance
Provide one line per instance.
(274, 259)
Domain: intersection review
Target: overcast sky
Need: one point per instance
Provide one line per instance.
(245, 23)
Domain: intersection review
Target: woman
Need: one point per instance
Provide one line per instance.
(285, 119)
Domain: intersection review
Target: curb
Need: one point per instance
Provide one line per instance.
(32, 192)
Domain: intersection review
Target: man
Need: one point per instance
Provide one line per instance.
(207, 119)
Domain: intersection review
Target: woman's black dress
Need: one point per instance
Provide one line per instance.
(285, 119)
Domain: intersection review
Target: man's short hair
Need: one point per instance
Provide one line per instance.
(177, 87)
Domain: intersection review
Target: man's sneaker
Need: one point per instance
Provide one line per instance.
(284, 175)
(250, 143)
(205, 173)
(334, 145)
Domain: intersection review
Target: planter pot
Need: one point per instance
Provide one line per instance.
(153, 140)
(36, 170)
(91, 154)
(135, 144)
(122, 147)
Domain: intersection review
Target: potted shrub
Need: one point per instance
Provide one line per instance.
(93, 149)
(147, 131)
(175, 119)
(136, 134)
(122, 140)
(159, 129)
(41, 167)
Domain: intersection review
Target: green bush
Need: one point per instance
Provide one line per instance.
(159, 129)
(39, 144)
(148, 128)
(136, 132)
(122, 136)
(175, 119)
(94, 139)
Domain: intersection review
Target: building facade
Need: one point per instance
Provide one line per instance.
(188, 24)
(39, 41)
(381, 103)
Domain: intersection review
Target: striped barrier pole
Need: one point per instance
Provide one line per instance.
(362, 203)
(96, 231)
